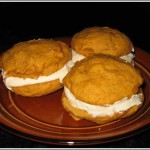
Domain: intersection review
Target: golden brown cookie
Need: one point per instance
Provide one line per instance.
(103, 40)
(34, 59)
(102, 80)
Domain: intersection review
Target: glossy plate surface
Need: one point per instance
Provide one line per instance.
(44, 119)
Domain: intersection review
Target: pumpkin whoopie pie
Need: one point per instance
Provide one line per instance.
(103, 40)
(102, 88)
(35, 67)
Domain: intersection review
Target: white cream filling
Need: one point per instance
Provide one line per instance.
(16, 82)
(97, 111)
(77, 57)
(129, 57)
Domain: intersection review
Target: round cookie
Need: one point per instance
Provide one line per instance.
(102, 81)
(35, 67)
(103, 40)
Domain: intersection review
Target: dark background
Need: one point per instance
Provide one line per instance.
(20, 21)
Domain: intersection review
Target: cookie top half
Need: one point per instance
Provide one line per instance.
(34, 58)
(103, 40)
(102, 79)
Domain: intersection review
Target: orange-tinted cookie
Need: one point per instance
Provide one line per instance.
(102, 84)
(103, 40)
(34, 59)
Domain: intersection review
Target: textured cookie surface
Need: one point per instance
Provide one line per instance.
(35, 58)
(102, 79)
(103, 40)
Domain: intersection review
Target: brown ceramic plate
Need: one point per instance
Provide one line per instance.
(44, 119)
